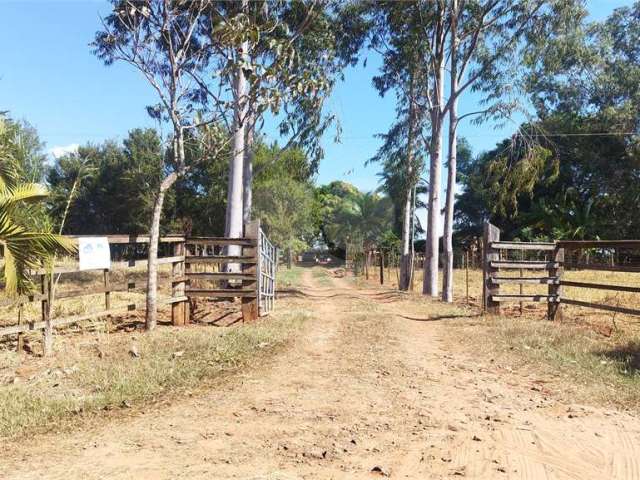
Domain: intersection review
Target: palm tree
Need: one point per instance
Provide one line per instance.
(22, 249)
(361, 221)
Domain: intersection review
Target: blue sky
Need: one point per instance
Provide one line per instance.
(49, 77)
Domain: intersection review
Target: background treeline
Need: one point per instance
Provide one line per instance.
(109, 188)
(574, 171)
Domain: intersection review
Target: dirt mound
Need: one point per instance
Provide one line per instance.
(337, 272)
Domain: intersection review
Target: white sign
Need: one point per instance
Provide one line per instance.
(94, 253)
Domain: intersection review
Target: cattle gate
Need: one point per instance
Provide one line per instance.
(511, 262)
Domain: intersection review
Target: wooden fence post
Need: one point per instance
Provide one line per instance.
(554, 308)
(107, 287)
(250, 305)
(381, 267)
(20, 334)
(491, 234)
(47, 331)
(466, 273)
(179, 310)
(107, 298)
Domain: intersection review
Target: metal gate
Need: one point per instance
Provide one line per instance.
(267, 267)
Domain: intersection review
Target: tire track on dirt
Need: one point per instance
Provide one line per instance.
(365, 386)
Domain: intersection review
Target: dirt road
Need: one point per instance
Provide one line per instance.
(372, 387)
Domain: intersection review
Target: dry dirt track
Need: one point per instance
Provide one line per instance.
(363, 392)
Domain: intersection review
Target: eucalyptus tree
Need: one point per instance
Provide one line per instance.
(481, 43)
(278, 57)
(395, 30)
(402, 182)
(160, 38)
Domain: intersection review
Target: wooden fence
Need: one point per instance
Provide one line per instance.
(552, 259)
(129, 246)
(219, 267)
(238, 267)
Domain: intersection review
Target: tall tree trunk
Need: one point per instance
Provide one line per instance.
(247, 174)
(406, 259)
(413, 237)
(234, 214)
(154, 231)
(406, 242)
(431, 252)
(447, 284)
(432, 245)
(152, 267)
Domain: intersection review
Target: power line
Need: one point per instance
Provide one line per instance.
(594, 134)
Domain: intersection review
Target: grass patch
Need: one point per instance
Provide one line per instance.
(170, 361)
(593, 368)
(321, 276)
(289, 277)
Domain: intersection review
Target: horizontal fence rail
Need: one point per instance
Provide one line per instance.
(556, 258)
(129, 247)
(220, 267)
(209, 267)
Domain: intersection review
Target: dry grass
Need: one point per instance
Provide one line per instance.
(100, 373)
(574, 361)
(321, 276)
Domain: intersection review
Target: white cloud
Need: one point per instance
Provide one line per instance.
(59, 151)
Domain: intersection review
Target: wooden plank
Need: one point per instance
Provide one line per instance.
(600, 286)
(525, 298)
(124, 239)
(578, 244)
(491, 234)
(526, 280)
(598, 306)
(220, 276)
(245, 242)
(13, 329)
(251, 304)
(523, 245)
(14, 302)
(222, 259)
(606, 268)
(554, 309)
(118, 287)
(220, 292)
(178, 285)
(524, 264)
(114, 265)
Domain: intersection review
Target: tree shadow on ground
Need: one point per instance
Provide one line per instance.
(380, 297)
(627, 355)
(436, 318)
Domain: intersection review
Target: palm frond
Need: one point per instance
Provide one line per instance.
(24, 192)
(24, 251)
(8, 170)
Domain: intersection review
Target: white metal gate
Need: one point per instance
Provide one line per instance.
(267, 267)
